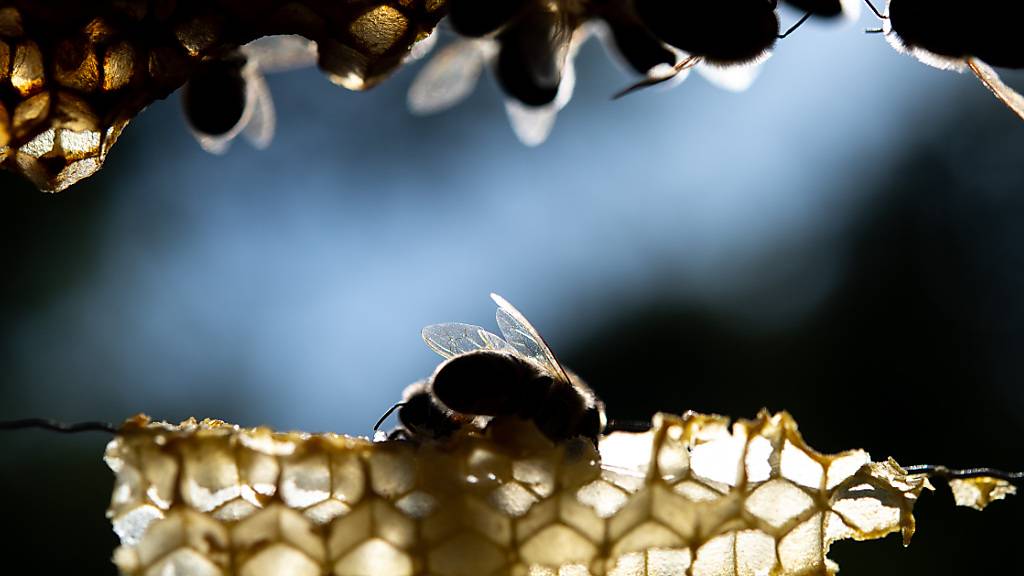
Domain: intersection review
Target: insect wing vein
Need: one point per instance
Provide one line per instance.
(453, 339)
(1013, 100)
(522, 336)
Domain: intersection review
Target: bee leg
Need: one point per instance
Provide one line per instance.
(391, 410)
(795, 26)
(875, 10)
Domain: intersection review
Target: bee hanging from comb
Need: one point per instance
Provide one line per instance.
(953, 36)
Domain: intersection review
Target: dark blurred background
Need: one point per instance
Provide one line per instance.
(842, 241)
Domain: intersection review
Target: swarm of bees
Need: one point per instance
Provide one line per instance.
(486, 377)
(72, 75)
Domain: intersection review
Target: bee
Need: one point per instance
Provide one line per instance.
(940, 34)
(848, 9)
(229, 96)
(485, 376)
(721, 35)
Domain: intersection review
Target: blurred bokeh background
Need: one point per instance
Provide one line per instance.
(843, 241)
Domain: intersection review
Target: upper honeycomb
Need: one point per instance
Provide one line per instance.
(73, 74)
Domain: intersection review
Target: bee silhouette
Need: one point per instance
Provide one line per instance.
(485, 376)
(731, 35)
(228, 96)
(953, 36)
(849, 9)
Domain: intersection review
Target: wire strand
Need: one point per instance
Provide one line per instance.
(56, 426)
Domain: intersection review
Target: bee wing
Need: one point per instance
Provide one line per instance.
(524, 338)
(281, 53)
(532, 124)
(1013, 100)
(733, 78)
(454, 339)
(259, 130)
(448, 78)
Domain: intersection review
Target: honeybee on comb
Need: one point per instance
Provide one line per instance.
(951, 35)
(486, 376)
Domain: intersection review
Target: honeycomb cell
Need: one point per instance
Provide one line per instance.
(392, 472)
(646, 536)
(417, 504)
(801, 551)
(536, 474)
(606, 500)
(305, 481)
(27, 72)
(778, 502)
(5, 61)
(76, 65)
(184, 561)
(10, 22)
(348, 478)
(209, 476)
(98, 31)
(5, 126)
(844, 467)
(512, 499)
(235, 510)
(31, 114)
(374, 558)
(198, 35)
(800, 468)
(279, 559)
(379, 29)
(118, 66)
(277, 524)
(326, 511)
(485, 519)
(557, 545)
(181, 530)
(466, 554)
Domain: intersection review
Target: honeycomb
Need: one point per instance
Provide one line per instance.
(73, 74)
(696, 495)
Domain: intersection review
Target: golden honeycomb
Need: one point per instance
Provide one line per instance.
(696, 495)
(73, 74)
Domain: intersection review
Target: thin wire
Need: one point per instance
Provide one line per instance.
(56, 426)
(626, 426)
(935, 470)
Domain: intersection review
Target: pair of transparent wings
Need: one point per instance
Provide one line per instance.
(452, 74)
(453, 339)
(270, 54)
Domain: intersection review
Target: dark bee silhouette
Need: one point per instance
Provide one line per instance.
(950, 35)
(828, 8)
(474, 18)
(228, 96)
(632, 40)
(720, 33)
(486, 376)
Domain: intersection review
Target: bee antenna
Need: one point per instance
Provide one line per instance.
(795, 26)
(939, 471)
(626, 426)
(873, 31)
(875, 10)
(391, 410)
(56, 426)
